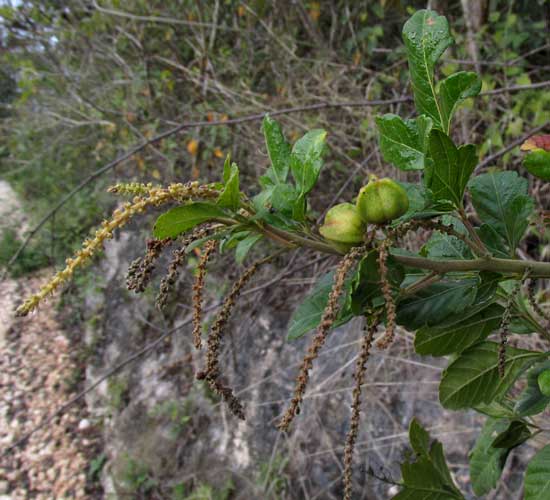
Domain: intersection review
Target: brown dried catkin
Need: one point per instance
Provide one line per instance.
(327, 320)
(369, 330)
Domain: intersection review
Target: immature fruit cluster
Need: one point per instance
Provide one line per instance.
(380, 201)
(343, 224)
(544, 382)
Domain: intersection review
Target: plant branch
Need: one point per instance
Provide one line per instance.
(243, 119)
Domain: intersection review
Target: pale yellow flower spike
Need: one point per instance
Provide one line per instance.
(150, 196)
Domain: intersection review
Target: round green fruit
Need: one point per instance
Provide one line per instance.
(382, 200)
(544, 382)
(343, 224)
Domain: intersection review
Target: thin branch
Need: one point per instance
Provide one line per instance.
(243, 119)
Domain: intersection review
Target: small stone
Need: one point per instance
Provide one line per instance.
(84, 425)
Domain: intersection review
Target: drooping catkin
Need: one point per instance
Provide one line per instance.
(531, 296)
(327, 320)
(198, 286)
(504, 328)
(178, 258)
(385, 285)
(140, 270)
(211, 372)
(369, 330)
(155, 196)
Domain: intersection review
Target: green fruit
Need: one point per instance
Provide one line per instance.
(382, 200)
(343, 224)
(544, 382)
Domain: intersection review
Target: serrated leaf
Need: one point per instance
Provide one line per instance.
(537, 163)
(426, 36)
(283, 198)
(306, 159)
(403, 143)
(444, 340)
(501, 201)
(230, 197)
(432, 305)
(473, 377)
(532, 401)
(444, 246)
(537, 476)
(453, 90)
(181, 219)
(278, 150)
(244, 246)
(308, 314)
(448, 173)
(428, 478)
(486, 462)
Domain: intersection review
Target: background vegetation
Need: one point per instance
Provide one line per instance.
(84, 81)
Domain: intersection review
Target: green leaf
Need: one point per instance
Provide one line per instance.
(448, 174)
(283, 198)
(428, 478)
(278, 150)
(434, 304)
(443, 339)
(365, 287)
(496, 409)
(453, 90)
(181, 219)
(244, 246)
(532, 401)
(486, 462)
(426, 36)
(306, 159)
(537, 476)
(537, 163)
(419, 438)
(473, 377)
(230, 197)
(443, 246)
(501, 201)
(403, 143)
(514, 435)
(308, 314)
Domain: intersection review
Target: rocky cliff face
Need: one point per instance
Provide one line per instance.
(166, 434)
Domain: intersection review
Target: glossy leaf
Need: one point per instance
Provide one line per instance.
(537, 476)
(428, 477)
(448, 174)
(501, 201)
(537, 163)
(426, 36)
(181, 219)
(404, 143)
(532, 401)
(306, 159)
(443, 340)
(434, 304)
(453, 90)
(278, 150)
(308, 314)
(487, 462)
(473, 377)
